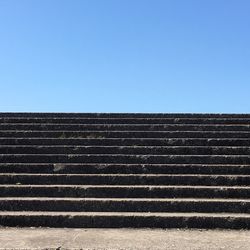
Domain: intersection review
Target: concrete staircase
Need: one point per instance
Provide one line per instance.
(125, 170)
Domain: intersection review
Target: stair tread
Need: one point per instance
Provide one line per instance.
(120, 147)
(122, 214)
(122, 164)
(140, 175)
(130, 155)
(125, 138)
(200, 200)
(123, 124)
(125, 186)
(125, 175)
(132, 115)
(126, 131)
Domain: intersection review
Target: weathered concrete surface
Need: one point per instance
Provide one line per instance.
(118, 239)
(125, 171)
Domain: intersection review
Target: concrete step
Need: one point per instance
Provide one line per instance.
(129, 159)
(92, 168)
(124, 127)
(127, 141)
(119, 115)
(128, 120)
(125, 205)
(133, 150)
(125, 179)
(124, 134)
(125, 191)
(123, 219)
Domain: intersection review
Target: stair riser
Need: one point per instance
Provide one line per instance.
(124, 169)
(72, 221)
(124, 127)
(125, 142)
(125, 206)
(125, 150)
(224, 121)
(124, 192)
(123, 134)
(129, 159)
(125, 180)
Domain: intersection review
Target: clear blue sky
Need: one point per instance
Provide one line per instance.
(125, 55)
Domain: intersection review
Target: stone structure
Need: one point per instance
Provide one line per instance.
(125, 170)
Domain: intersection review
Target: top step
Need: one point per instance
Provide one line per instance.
(126, 120)
(125, 115)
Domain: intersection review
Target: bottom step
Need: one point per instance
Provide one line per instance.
(121, 220)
